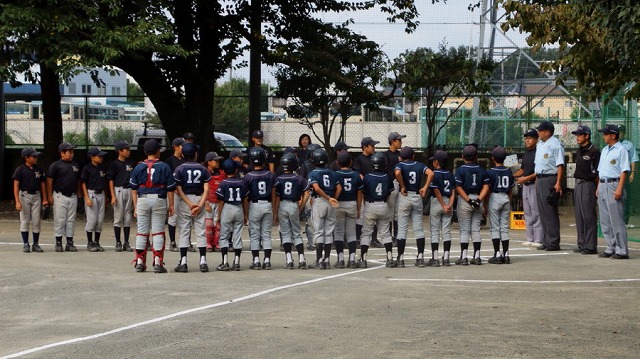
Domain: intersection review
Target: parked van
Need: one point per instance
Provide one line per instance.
(225, 141)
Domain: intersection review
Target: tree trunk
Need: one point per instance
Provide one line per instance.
(51, 111)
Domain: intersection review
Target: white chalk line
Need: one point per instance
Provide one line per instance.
(184, 312)
(515, 281)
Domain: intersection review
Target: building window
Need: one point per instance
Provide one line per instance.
(568, 104)
(86, 89)
(102, 91)
(115, 91)
(72, 88)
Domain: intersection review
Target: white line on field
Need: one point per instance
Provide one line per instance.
(185, 312)
(514, 281)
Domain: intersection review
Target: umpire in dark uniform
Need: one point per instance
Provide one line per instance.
(584, 196)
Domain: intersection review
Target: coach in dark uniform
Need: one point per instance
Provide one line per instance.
(393, 158)
(340, 146)
(258, 140)
(584, 196)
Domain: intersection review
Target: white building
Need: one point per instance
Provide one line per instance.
(83, 85)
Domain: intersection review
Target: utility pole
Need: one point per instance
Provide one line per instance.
(255, 77)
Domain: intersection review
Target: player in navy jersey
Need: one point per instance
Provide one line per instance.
(175, 160)
(291, 195)
(325, 191)
(118, 174)
(232, 213)
(30, 194)
(62, 190)
(409, 175)
(305, 168)
(93, 178)
(472, 187)
(350, 201)
(501, 182)
(192, 186)
(377, 186)
(441, 209)
(260, 185)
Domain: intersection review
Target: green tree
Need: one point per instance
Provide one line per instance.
(134, 92)
(436, 76)
(356, 66)
(231, 106)
(598, 40)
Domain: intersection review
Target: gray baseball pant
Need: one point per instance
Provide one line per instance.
(410, 208)
(439, 221)
(64, 214)
(612, 224)
(392, 201)
(260, 223)
(499, 212)
(469, 221)
(324, 221)
(30, 213)
(95, 213)
(376, 213)
(289, 217)
(122, 210)
(531, 214)
(346, 215)
(186, 222)
(231, 223)
(152, 212)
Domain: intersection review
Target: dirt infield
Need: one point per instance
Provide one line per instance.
(543, 305)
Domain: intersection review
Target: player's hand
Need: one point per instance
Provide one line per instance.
(171, 213)
(18, 206)
(195, 211)
(474, 203)
(88, 202)
(113, 201)
(207, 207)
(631, 177)
(447, 209)
(403, 191)
(275, 220)
(135, 213)
(45, 203)
(246, 221)
(422, 192)
(334, 203)
(617, 194)
(520, 180)
(51, 201)
(558, 189)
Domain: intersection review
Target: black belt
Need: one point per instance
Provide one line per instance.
(580, 180)
(528, 183)
(29, 192)
(96, 191)
(143, 195)
(609, 180)
(66, 194)
(377, 201)
(546, 175)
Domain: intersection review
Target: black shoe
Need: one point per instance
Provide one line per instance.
(302, 265)
(118, 247)
(99, 247)
(586, 251)
(192, 248)
(127, 247)
(289, 265)
(36, 248)
(26, 248)
(223, 267)
(577, 250)
(604, 255)
(361, 264)
(390, 263)
(476, 261)
(433, 263)
(495, 260)
(59, 247)
(91, 247)
(205, 268)
(236, 267)
(619, 256)
(180, 268)
(326, 264)
(266, 265)
(173, 247)
(399, 263)
(70, 248)
(159, 269)
(542, 248)
(255, 266)
(551, 249)
(462, 261)
(351, 264)
(419, 263)
(339, 265)
(140, 268)
(506, 260)
(446, 262)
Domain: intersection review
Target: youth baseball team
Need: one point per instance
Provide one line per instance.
(345, 203)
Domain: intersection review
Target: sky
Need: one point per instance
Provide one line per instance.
(452, 23)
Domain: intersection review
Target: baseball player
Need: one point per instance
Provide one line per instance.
(472, 187)
(325, 191)
(62, 190)
(239, 157)
(93, 179)
(584, 195)
(393, 158)
(443, 187)
(30, 194)
(260, 185)
(232, 213)
(152, 186)
(212, 161)
(613, 170)
(501, 183)
(174, 161)
(349, 204)
(633, 158)
(526, 177)
(192, 186)
(363, 165)
(409, 174)
(118, 174)
(305, 169)
(291, 195)
(377, 186)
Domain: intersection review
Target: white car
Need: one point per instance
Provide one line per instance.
(226, 141)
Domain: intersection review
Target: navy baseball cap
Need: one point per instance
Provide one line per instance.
(368, 141)
(178, 141)
(469, 152)
(439, 156)
(65, 146)
(406, 152)
(237, 153)
(189, 149)
(395, 136)
(545, 125)
(344, 158)
(229, 166)
(151, 146)
(610, 129)
(96, 151)
(29, 151)
(188, 136)
(499, 154)
(582, 130)
(212, 156)
(341, 146)
(257, 134)
(121, 145)
(532, 132)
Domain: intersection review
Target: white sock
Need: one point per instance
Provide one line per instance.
(256, 259)
(389, 256)
(402, 257)
(341, 256)
(464, 253)
(446, 254)
(183, 260)
(435, 254)
(267, 260)
(203, 260)
(352, 256)
(225, 260)
(289, 257)
(476, 254)
(156, 261)
(506, 254)
(301, 258)
(236, 260)
(364, 257)
(420, 255)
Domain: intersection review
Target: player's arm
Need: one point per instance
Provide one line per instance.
(423, 191)
(338, 191)
(558, 185)
(359, 199)
(275, 202)
(43, 192)
(16, 194)
(462, 194)
(452, 198)
(620, 188)
(134, 199)
(50, 189)
(112, 190)
(438, 194)
(219, 210)
(171, 210)
(272, 167)
(85, 192)
(245, 209)
(321, 193)
(398, 175)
